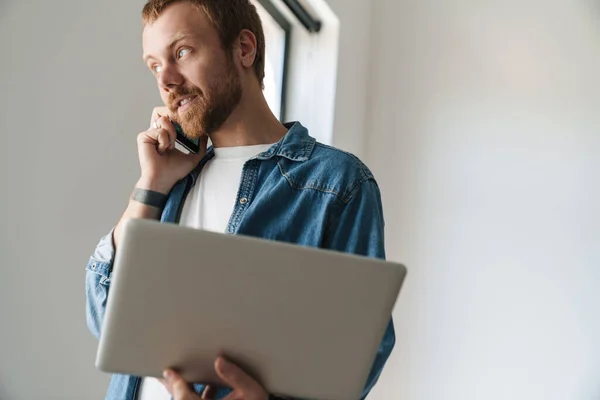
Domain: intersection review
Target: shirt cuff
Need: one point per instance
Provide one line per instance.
(101, 262)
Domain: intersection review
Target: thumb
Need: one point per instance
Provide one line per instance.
(178, 388)
(234, 377)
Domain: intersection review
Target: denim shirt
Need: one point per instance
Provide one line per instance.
(298, 191)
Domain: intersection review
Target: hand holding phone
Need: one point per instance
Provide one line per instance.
(161, 164)
(193, 146)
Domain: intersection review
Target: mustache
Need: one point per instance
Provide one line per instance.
(181, 92)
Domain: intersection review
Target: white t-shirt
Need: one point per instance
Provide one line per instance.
(210, 202)
(208, 206)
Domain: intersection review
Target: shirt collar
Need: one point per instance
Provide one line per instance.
(296, 145)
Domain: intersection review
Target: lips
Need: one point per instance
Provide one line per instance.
(183, 101)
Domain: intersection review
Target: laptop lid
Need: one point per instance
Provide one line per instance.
(305, 322)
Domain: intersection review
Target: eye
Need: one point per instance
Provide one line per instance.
(156, 69)
(182, 52)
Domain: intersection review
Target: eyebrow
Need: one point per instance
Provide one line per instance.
(177, 38)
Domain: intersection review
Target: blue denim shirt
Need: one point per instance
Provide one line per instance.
(299, 191)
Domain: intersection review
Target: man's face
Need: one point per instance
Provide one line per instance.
(197, 78)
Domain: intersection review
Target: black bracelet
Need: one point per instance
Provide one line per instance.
(150, 198)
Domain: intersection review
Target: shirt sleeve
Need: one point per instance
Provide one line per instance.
(359, 229)
(98, 274)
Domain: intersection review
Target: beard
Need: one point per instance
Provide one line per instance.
(211, 108)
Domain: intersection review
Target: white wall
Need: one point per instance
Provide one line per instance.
(484, 132)
(73, 95)
(352, 72)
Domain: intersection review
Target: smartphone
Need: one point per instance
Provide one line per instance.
(193, 146)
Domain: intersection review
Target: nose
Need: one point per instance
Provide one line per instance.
(169, 78)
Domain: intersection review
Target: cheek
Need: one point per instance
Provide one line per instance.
(199, 77)
(202, 73)
(164, 96)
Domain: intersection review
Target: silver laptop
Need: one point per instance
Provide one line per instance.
(306, 323)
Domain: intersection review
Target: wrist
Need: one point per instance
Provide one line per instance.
(154, 185)
(149, 198)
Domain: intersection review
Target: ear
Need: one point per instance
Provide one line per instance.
(247, 48)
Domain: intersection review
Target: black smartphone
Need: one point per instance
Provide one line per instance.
(193, 146)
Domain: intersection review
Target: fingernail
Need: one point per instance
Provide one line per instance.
(167, 374)
(224, 366)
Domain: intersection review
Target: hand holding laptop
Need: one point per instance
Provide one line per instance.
(244, 387)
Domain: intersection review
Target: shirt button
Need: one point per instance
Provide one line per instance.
(94, 266)
(243, 200)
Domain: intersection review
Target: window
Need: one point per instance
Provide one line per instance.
(277, 34)
(301, 62)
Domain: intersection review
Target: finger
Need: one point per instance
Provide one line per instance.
(157, 113)
(242, 384)
(158, 138)
(177, 387)
(166, 385)
(209, 392)
(166, 124)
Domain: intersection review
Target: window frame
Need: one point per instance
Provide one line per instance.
(287, 28)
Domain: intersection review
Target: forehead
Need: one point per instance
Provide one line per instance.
(175, 21)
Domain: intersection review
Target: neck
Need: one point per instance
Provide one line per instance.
(251, 123)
